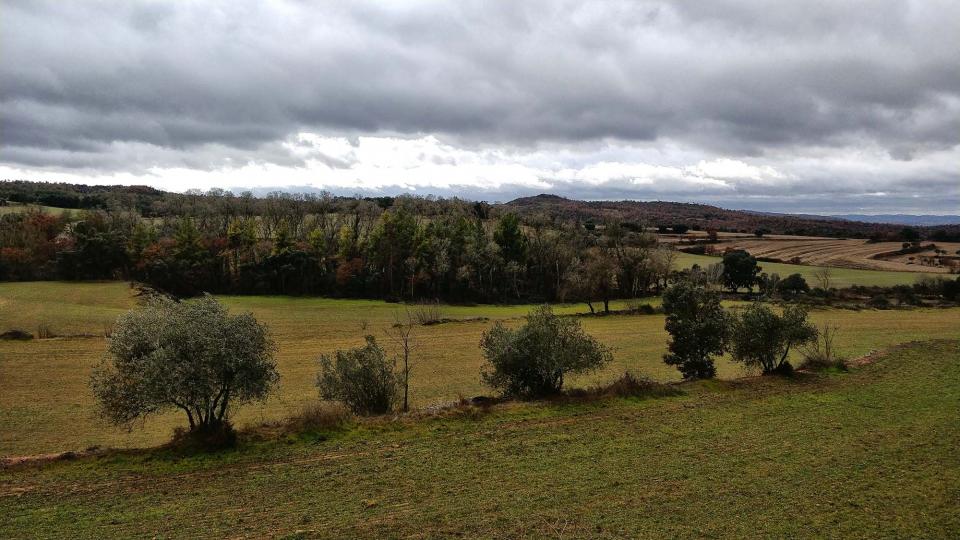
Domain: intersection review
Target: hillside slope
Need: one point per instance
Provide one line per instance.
(703, 217)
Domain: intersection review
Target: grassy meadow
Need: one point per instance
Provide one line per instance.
(46, 405)
(869, 454)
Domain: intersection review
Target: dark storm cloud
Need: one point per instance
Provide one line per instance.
(125, 86)
(732, 75)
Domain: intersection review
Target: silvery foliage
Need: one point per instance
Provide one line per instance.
(193, 356)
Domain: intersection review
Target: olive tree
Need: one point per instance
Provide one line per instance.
(761, 338)
(698, 327)
(532, 360)
(192, 356)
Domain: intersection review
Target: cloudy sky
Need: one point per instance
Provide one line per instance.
(820, 107)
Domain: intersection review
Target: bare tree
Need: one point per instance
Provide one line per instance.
(824, 277)
(402, 335)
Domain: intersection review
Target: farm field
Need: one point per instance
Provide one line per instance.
(839, 253)
(46, 405)
(869, 454)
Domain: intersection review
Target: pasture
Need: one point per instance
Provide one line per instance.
(840, 277)
(867, 454)
(46, 405)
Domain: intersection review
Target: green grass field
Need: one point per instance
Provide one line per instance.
(869, 454)
(841, 277)
(46, 405)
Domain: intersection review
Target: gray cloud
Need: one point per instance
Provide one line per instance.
(105, 87)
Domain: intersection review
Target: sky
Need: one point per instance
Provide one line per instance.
(821, 107)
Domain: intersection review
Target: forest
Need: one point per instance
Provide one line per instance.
(394, 248)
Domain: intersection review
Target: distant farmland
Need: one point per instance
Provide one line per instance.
(843, 253)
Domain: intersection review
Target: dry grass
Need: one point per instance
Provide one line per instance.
(46, 405)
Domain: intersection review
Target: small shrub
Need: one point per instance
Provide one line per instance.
(635, 306)
(879, 302)
(533, 360)
(45, 332)
(319, 417)
(363, 379)
(427, 313)
(630, 385)
(821, 353)
(16, 334)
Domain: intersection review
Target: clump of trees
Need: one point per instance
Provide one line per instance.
(190, 356)
(405, 248)
(700, 329)
(533, 360)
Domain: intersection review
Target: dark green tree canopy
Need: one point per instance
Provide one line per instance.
(792, 286)
(739, 269)
(698, 328)
(509, 236)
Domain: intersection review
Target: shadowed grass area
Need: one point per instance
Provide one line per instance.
(46, 405)
(866, 454)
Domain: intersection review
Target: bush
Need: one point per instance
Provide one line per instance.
(427, 313)
(533, 360)
(45, 332)
(319, 417)
(761, 338)
(16, 334)
(879, 301)
(793, 286)
(192, 356)
(821, 353)
(363, 378)
(697, 326)
(951, 289)
(630, 385)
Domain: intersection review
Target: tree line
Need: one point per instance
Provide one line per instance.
(403, 248)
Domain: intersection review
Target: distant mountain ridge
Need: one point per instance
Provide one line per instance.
(703, 216)
(921, 220)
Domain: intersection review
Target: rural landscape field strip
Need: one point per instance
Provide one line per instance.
(47, 405)
(870, 452)
(841, 253)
